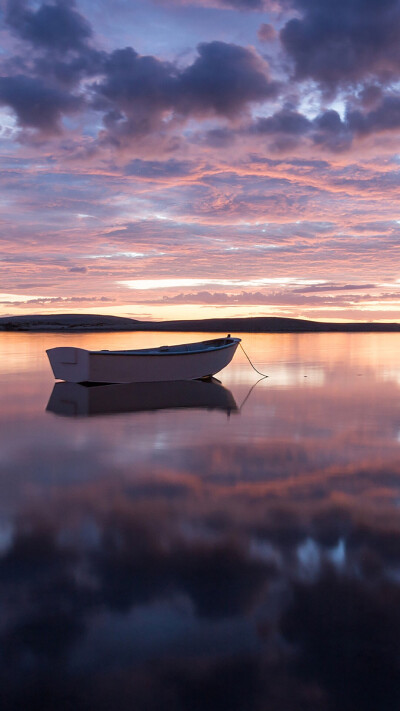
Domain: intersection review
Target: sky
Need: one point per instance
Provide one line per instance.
(197, 158)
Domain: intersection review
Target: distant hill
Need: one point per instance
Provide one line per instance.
(259, 324)
(271, 324)
(67, 322)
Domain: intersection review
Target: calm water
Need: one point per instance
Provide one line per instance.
(206, 557)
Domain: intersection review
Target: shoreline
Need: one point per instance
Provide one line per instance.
(88, 323)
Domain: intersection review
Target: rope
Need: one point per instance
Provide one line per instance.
(250, 391)
(253, 366)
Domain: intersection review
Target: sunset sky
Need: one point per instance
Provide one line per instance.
(196, 158)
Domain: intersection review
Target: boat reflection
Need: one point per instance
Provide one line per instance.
(86, 400)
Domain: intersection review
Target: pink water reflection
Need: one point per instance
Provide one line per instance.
(155, 552)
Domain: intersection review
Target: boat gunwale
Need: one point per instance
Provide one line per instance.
(153, 352)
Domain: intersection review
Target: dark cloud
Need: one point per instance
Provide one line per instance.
(68, 70)
(331, 132)
(159, 169)
(385, 117)
(378, 227)
(224, 78)
(285, 121)
(296, 162)
(136, 84)
(328, 129)
(60, 38)
(57, 26)
(337, 134)
(219, 137)
(36, 104)
(250, 5)
(138, 92)
(285, 128)
(242, 4)
(370, 95)
(344, 41)
(332, 287)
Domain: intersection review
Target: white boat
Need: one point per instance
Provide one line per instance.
(188, 361)
(87, 400)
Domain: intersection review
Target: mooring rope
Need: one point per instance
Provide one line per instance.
(264, 375)
(240, 408)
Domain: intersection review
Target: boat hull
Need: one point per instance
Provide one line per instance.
(78, 365)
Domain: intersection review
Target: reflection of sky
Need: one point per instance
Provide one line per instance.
(188, 554)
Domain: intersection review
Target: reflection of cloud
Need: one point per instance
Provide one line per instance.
(202, 605)
(349, 636)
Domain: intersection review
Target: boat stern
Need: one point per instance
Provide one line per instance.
(70, 364)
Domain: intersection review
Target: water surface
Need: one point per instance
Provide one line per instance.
(209, 554)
